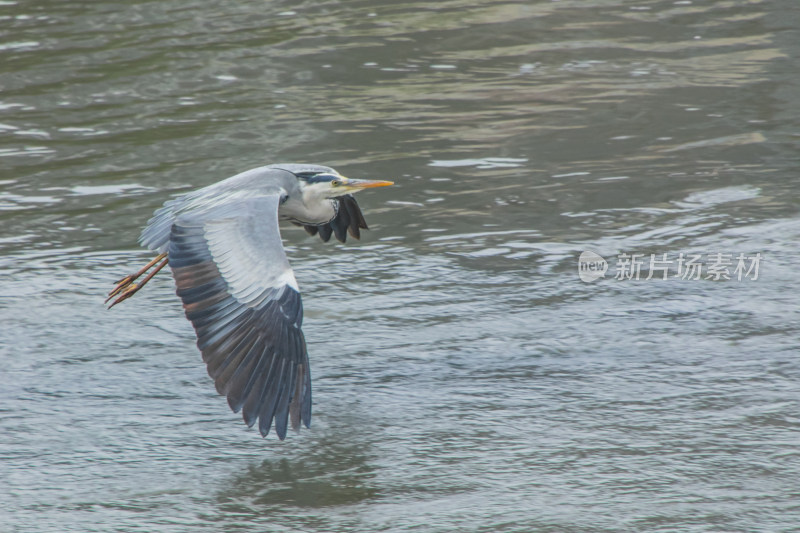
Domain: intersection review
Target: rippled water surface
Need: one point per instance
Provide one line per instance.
(465, 378)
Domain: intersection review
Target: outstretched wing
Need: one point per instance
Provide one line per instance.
(348, 219)
(241, 296)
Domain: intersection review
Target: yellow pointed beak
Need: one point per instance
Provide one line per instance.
(366, 184)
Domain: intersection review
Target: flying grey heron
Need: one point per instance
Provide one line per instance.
(224, 247)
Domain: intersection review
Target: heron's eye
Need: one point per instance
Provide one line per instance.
(336, 183)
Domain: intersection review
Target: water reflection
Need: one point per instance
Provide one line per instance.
(336, 471)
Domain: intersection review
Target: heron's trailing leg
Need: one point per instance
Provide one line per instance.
(126, 287)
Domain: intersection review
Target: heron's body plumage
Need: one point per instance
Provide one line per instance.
(224, 247)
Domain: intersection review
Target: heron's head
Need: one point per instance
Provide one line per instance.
(330, 184)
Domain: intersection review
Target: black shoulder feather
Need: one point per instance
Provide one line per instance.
(348, 219)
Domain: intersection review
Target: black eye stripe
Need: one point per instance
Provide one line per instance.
(317, 178)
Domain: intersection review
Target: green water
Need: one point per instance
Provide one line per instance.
(465, 379)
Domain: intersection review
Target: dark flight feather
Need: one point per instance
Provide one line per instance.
(255, 353)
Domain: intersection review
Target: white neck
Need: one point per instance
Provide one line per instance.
(312, 212)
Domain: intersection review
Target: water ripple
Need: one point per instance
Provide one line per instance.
(465, 378)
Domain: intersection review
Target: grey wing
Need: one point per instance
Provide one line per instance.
(240, 294)
(155, 235)
(251, 183)
(348, 219)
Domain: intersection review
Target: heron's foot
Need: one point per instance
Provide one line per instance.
(123, 291)
(126, 287)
